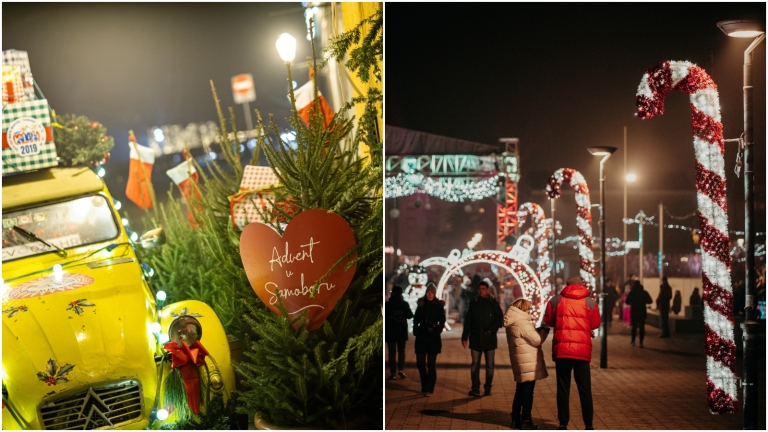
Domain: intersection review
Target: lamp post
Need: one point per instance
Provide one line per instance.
(627, 179)
(605, 152)
(748, 29)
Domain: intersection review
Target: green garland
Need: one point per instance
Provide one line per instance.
(175, 395)
(80, 141)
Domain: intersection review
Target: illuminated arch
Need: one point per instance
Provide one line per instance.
(514, 263)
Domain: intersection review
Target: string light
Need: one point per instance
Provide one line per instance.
(408, 184)
(513, 261)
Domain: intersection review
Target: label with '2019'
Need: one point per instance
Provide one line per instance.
(26, 136)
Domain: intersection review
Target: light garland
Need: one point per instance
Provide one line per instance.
(513, 262)
(542, 235)
(713, 215)
(583, 217)
(408, 184)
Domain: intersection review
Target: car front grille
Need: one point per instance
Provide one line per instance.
(100, 406)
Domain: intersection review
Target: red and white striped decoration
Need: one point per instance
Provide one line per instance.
(583, 217)
(713, 215)
(542, 235)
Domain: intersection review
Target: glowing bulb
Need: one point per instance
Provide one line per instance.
(286, 47)
(162, 414)
(134, 237)
(159, 136)
(101, 172)
(125, 221)
(161, 295)
(163, 338)
(155, 328)
(57, 273)
(631, 177)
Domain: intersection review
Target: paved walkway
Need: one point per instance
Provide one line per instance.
(661, 386)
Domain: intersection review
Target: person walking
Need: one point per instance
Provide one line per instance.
(662, 304)
(428, 323)
(625, 308)
(637, 300)
(483, 321)
(396, 316)
(677, 303)
(527, 359)
(573, 314)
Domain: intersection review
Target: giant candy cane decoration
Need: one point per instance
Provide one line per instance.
(713, 215)
(541, 234)
(583, 217)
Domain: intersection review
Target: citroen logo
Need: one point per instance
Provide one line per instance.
(93, 410)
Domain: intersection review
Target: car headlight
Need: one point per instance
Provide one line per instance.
(185, 329)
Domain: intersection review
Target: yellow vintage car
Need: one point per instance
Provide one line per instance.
(83, 331)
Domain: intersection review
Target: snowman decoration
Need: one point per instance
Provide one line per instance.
(417, 288)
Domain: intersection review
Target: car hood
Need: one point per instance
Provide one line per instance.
(88, 326)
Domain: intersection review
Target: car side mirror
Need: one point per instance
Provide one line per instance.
(153, 238)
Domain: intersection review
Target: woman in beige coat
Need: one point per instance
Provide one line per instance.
(527, 360)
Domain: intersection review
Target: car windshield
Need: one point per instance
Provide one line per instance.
(66, 224)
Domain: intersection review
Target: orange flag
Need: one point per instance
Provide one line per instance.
(185, 177)
(140, 174)
(305, 98)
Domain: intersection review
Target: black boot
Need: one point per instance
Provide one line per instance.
(528, 424)
(517, 421)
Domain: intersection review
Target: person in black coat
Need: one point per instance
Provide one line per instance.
(428, 323)
(677, 303)
(662, 303)
(396, 316)
(484, 319)
(637, 299)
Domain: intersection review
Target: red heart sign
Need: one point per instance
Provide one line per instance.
(290, 265)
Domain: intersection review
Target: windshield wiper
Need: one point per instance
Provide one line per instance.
(59, 250)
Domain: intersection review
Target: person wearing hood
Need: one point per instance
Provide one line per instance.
(662, 303)
(573, 314)
(483, 321)
(396, 316)
(637, 299)
(527, 359)
(428, 323)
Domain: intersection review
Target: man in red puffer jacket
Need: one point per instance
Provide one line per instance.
(573, 314)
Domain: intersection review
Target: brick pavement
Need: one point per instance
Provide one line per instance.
(661, 386)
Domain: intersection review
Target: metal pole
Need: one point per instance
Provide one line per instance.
(554, 243)
(626, 251)
(248, 121)
(640, 235)
(661, 240)
(605, 316)
(749, 326)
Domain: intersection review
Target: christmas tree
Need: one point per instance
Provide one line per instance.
(293, 376)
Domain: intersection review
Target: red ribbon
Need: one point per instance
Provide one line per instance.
(187, 359)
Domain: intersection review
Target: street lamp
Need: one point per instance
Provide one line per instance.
(286, 47)
(748, 29)
(627, 179)
(605, 152)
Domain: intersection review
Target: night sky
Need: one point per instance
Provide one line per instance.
(563, 77)
(135, 65)
(138, 65)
